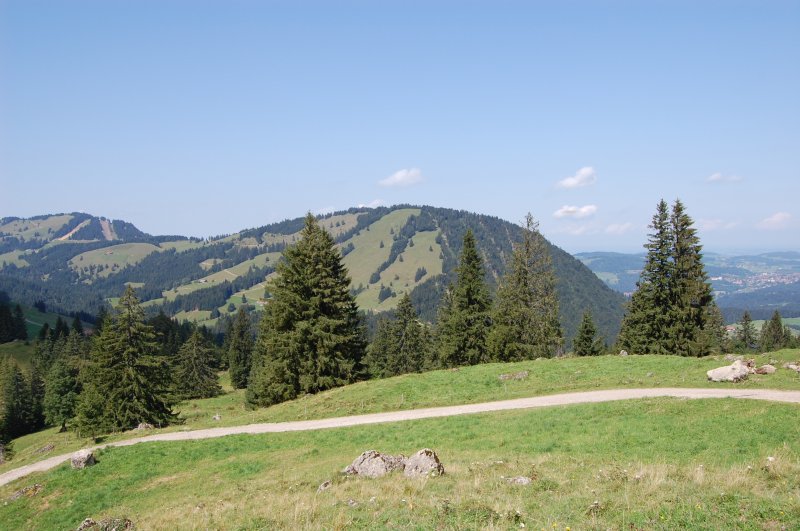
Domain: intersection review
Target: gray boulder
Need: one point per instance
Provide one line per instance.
(373, 464)
(735, 372)
(81, 459)
(423, 463)
(623, 352)
(519, 480)
(766, 369)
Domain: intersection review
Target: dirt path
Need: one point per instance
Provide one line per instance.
(414, 414)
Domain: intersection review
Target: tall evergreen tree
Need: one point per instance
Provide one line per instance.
(645, 326)
(20, 328)
(311, 337)
(77, 326)
(195, 376)
(240, 349)
(401, 345)
(127, 372)
(17, 415)
(61, 393)
(672, 310)
(525, 317)
(586, 341)
(772, 334)
(465, 320)
(746, 335)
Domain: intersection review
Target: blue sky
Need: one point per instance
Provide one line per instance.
(207, 117)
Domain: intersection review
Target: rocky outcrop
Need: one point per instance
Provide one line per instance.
(519, 480)
(423, 463)
(107, 524)
(373, 464)
(81, 459)
(514, 376)
(766, 369)
(734, 372)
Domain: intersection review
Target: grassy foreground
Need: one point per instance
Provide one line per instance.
(648, 464)
(475, 384)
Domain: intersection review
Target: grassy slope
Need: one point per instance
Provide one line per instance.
(120, 255)
(28, 229)
(228, 274)
(653, 464)
(14, 257)
(21, 351)
(443, 388)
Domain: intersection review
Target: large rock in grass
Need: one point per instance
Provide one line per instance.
(81, 459)
(423, 463)
(107, 524)
(735, 372)
(373, 464)
(766, 369)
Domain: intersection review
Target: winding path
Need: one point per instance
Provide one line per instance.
(414, 414)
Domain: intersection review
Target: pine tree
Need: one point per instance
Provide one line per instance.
(772, 334)
(672, 310)
(240, 348)
(645, 326)
(127, 373)
(77, 326)
(465, 320)
(746, 335)
(586, 341)
(17, 415)
(525, 316)
(311, 337)
(20, 328)
(61, 393)
(401, 345)
(194, 375)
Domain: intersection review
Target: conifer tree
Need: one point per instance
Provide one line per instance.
(17, 415)
(195, 377)
(464, 321)
(61, 393)
(746, 335)
(401, 345)
(525, 317)
(772, 334)
(20, 328)
(586, 341)
(311, 337)
(672, 310)
(240, 348)
(127, 373)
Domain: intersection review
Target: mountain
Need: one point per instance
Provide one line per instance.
(77, 263)
(759, 283)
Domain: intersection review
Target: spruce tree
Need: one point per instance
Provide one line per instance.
(672, 310)
(401, 345)
(20, 328)
(194, 375)
(586, 341)
(746, 335)
(311, 337)
(127, 372)
(645, 326)
(525, 317)
(772, 334)
(465, 320)
(61, 393)
(240, 348)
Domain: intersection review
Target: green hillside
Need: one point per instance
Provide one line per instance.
(388, 252)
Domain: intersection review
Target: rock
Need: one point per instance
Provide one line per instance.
(766, 369)
(45, 449)
(144, 426)
(735, 372)
(81, 459)
(217, 417)
(325, 485)
(423, 463)
(519, 480)
(373, 464)
(108, 524)
(514, 376)
(792, 366)
(352, 503)
(623, 352)
(29, 492)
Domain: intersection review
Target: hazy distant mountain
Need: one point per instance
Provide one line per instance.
(77, 262)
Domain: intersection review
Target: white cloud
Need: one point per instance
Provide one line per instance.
(402, 178)
(778, 220)
(585, 177)
(709, 225)
(720, 178)
(372, 204)
(619, 228)
(575, 211)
